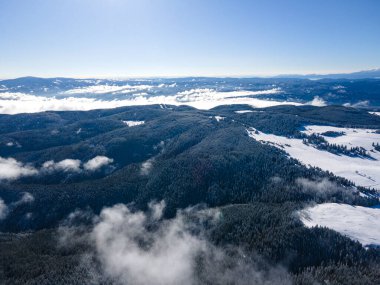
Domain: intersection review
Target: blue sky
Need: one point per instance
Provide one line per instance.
(125, 38)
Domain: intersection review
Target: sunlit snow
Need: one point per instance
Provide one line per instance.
(102, 89)
(133, 123)
(219, 118)
(358, 223)
(362, 171)
(243, 111)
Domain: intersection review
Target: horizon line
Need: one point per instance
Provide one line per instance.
(175, 76)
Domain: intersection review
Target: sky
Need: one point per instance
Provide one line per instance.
(144, 38)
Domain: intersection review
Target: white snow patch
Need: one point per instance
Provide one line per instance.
(358, 223)
(363, 172)
(219, 118)
(133, 123)
(375, 113)
(352, 137)
(243, 111)
(338, 87)
(102, 89)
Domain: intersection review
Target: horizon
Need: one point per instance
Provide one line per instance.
(117, 77)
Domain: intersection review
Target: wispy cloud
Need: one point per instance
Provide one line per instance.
(5, 209)
(142, 248)
(146, 167)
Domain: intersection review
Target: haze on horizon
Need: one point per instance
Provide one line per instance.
(144, 38)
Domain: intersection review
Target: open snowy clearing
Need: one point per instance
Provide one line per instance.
(362, 171)
(351, 137)
(358, 223)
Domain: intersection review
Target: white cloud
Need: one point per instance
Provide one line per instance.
(167, 260)
(317, 101)
(360, 104)
(11, 169)
(97, 162)
(25, 199)
(358, 223)
(325, 188)
(66, 165)
(207, 94)
(146, 167)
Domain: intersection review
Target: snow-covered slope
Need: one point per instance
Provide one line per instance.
(358, 223)
(351, 137)
(362, 171)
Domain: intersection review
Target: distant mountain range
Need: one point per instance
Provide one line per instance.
(364, 74)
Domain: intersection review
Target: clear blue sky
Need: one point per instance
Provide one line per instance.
(187, 37)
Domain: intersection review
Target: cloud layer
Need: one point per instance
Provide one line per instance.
(14, 103)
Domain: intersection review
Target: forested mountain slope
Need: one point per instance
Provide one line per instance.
(55, 165)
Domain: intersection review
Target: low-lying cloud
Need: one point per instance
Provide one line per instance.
(5, 209)
(66, 165)
(142, 248)
(325, 189)
(14, 103)
(103, 89)
(318, 102)
(11, 169)
(146, 167)
(97, 162)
